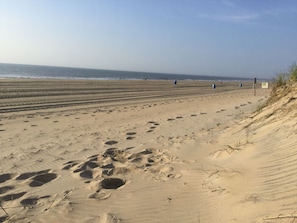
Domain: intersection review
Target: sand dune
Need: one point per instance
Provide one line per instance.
(186, 158)
(257, 165)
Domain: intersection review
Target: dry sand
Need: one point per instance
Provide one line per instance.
(145, 151)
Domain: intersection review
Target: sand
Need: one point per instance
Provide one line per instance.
(145, 151)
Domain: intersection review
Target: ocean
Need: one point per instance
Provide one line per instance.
(35, 71)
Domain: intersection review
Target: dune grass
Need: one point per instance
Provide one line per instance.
(293, 72)
(282, 84)
(286, 78)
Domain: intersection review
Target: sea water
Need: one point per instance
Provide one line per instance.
(35, 71)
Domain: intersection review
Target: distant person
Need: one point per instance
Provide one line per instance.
(240, 85)
(213, 86)
(175, 82)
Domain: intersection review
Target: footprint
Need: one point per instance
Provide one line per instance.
(93, 158)
(147, 151)
(193, 115)
(86, 166)
(131, 133)
(112, 142)
(170, 119)
(109, 152)
(42, 179)
(112, 183)
(3, 218)
(113, 163)
(150, 160)
(11, 197)
(108, 166)
(70, 164)
(5, 189)
(115, 154)
(29, 202)
(138, 157)
(27, 175)
(178, 117)
(86, 174)
(5, 177)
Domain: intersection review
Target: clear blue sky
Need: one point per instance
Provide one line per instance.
(239, 38)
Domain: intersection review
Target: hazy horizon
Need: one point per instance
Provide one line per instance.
(214, 38)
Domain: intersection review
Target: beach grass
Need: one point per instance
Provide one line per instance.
(284, 78)
(282, 84)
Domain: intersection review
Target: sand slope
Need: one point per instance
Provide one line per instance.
(257, 169)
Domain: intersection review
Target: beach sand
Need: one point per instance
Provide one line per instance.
(144, 151)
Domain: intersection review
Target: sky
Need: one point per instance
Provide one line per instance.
(235, 38)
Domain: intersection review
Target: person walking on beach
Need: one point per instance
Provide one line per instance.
(175, 82)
